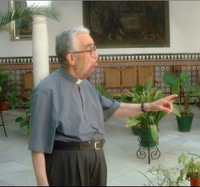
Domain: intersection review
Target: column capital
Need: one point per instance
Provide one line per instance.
(39, 19)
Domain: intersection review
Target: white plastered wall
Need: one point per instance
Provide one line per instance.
(184, 30)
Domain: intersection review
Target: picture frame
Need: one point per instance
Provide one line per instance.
(119, 24)
(21, 29)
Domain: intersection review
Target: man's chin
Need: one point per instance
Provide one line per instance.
(89, 71)
(94, 66)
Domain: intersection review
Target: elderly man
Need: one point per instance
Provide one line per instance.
(68, 114)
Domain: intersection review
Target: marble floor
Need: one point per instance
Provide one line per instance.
(120, 150)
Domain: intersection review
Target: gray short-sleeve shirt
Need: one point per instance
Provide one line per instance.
(62, 110)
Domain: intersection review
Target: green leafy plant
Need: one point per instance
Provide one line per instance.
(176, 83)
(25, 120)
(145, 94)
(164, 176)
(102, 92)
(5, 77)
(191, 166)
(12, 100)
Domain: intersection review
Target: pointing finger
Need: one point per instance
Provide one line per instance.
(171, 96)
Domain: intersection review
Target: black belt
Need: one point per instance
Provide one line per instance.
(78, 145)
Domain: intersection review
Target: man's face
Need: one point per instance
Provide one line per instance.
(85, 63)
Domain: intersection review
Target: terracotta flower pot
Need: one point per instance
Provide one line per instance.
(194, 182)
(3, 103)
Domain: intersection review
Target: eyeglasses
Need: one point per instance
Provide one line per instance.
(91, 51)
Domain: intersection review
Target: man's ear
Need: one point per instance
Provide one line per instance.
(70, 58)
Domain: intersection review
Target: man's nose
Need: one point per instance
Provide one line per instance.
(96, 55)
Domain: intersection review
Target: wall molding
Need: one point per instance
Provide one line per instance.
(117, 58)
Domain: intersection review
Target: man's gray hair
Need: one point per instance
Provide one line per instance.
(66, 43)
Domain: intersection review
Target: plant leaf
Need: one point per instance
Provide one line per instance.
(184, 76)
(196, 93)
(158, 95)
(119, 96)
(19, 119)
(107, 95)
(169, 78)
(175, 111)
(99, 88)
(24, 123)
(12, 14)
(148, 84)
(175, 87)
(132, 122)
(154, 132)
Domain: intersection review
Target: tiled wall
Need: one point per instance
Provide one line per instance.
(161, 63)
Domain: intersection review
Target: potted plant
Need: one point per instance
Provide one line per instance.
(102, 92)
(12, 100)
(177, 83)
(25, 120)
(5, 77)
(147, 122)
(164, 176)
(191, 168)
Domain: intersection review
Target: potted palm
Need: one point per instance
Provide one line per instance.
(34, 9)
(176, 83)
(9, 16)
(191, 168)
(147, 122)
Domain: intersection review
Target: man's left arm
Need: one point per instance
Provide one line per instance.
(128, 109)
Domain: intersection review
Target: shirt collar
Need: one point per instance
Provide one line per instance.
(69, 77)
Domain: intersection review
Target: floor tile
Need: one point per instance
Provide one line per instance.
(120, 150)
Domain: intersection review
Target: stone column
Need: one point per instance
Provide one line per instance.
(40, 49)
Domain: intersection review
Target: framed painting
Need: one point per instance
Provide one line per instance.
(21, 29)
(115, 24)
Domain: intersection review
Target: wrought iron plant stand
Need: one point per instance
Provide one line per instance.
(2, 124)
(153, 152)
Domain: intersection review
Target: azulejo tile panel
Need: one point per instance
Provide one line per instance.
(162, 63)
